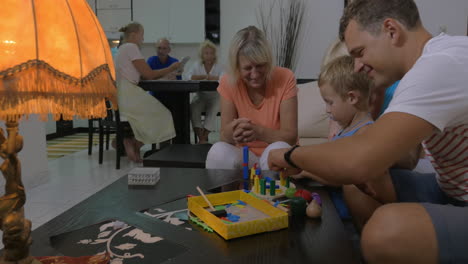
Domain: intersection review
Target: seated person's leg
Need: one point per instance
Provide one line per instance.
(274, 145)
(416, 233)
(362, 200)
(361, 205)
(212, 109)
(223, 155)
(434, 224)
(196, 109)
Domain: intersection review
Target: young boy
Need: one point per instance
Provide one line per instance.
(346, 94)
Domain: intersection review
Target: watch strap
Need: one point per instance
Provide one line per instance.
(287, 156)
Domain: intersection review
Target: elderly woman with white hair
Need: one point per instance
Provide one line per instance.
(206, 69)
(258, 104)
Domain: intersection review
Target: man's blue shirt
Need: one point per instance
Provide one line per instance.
(156, 64)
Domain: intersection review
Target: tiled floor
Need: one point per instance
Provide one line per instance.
(74, 178)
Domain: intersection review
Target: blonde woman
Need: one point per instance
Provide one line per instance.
(150, 121)
(258, 104)
(206, 69)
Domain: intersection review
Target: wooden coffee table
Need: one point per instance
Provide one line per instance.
(305, 241)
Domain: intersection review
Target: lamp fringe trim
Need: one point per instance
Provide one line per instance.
(35, 87)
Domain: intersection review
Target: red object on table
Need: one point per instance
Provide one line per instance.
(97, 259)
(304, 194)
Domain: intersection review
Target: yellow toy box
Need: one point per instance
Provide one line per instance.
(277, 219)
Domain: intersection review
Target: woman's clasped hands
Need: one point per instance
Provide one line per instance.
(244, 130)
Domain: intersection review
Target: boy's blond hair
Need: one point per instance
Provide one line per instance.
(340, 75)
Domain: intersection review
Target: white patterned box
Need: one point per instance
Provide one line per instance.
(143, 176)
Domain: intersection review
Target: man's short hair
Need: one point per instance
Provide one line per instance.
(370, 14)
(161, 40)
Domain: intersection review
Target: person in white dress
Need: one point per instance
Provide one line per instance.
(206, 69)
(151, 121)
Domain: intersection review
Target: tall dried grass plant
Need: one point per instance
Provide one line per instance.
(282, 22)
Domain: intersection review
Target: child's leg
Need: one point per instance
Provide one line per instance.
(360, 204)
(364, 199)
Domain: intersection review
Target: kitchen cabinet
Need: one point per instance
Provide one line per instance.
(180, 21)
(114, 4)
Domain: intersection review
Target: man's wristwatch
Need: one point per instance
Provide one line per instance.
(287, 156)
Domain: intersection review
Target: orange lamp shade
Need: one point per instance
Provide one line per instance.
(54, 58)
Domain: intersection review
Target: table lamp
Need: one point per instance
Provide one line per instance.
(54, 61)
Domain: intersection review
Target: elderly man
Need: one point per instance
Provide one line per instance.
(428, 224)
(163, 60)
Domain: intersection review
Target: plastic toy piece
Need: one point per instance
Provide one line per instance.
(217, 213)
(290, 192)
(317, 198)
(298, 206)
(262, 187)
(232, 217)
(304, 194)
(245, 164)
(241, 202)
(272, 188)
(282, 179)
(226, 221)
(314, 210)
(201, 224)
(256, 187)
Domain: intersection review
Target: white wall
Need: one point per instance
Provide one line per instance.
(451, 14)
(320, 21)
(323, 21)
(33, 156)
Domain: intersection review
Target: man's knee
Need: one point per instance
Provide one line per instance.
(381, 234)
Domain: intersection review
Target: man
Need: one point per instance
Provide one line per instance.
(430, 106)
(163, 60)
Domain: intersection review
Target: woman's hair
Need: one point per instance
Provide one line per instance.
(132, 27)
(335, 50)
(206, 44)
(340, 75)
(251, 43)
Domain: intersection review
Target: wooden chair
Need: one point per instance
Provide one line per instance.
(111, 124)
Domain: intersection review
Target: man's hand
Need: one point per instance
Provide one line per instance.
(276, 162)
(176, 66)
(170, 76)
